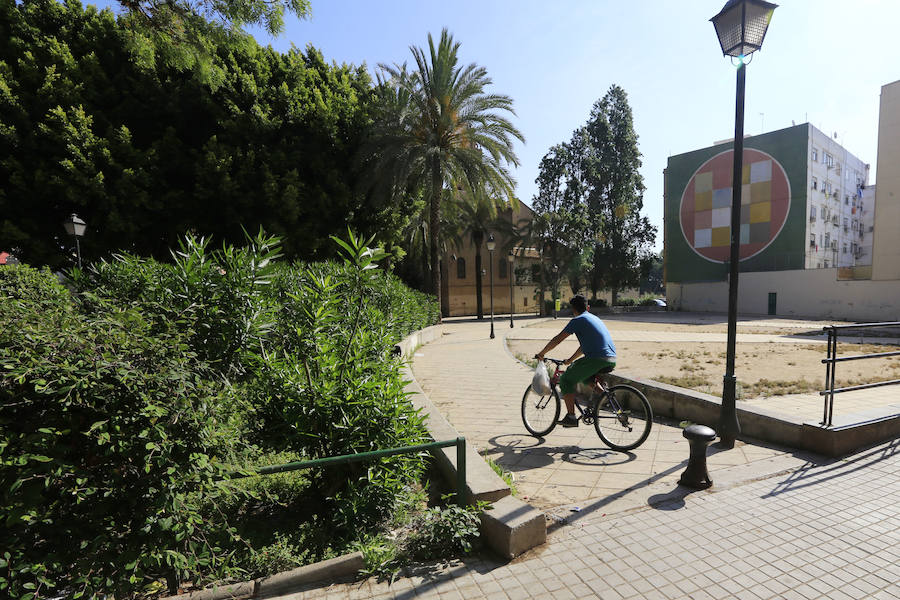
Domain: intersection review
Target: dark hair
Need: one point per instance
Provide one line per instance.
(578, 303)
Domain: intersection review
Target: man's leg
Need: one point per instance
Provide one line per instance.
(569, 399)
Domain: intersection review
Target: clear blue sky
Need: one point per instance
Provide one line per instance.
(823, 61)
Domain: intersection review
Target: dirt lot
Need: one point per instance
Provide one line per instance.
(763, 369)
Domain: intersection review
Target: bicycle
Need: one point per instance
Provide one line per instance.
(621, 414)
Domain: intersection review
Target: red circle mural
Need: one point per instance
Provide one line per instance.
(706, 205)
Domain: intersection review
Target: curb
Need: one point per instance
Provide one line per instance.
(263, 587)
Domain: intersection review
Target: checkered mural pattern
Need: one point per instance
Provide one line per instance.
(706, 205)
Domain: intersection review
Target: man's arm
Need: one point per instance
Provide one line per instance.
(572, 358)
(552, 344)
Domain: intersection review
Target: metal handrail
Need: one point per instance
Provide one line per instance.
(330, 461)
(831, 363)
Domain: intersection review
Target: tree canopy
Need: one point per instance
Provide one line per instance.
(590, 194)
(144, 151)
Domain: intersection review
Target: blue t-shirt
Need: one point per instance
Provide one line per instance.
(593, 336)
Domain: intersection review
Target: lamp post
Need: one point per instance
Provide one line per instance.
(491, 244)
(75, 227)
(555, 282)
(512, 261)
(740, 26)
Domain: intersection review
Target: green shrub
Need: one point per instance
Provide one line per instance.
(440, 532)
(126, 408)
(41, 288)
(109, 442)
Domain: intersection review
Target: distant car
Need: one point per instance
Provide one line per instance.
(660, 302)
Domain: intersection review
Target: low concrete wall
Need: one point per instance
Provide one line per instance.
(509, 526)
(848, 432)
(813, 293)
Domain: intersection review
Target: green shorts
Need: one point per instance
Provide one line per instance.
(582, 370)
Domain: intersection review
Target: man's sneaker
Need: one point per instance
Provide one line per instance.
(569, 421)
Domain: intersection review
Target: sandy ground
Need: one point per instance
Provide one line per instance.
(762, 369)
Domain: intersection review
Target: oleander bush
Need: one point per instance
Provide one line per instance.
(131, 405)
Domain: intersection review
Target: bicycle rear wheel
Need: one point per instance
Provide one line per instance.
(623, 418)
(540, 413)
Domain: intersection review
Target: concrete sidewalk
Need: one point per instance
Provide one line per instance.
(776, 524)
(820, 531)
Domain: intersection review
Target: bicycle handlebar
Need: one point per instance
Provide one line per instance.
(553, 360)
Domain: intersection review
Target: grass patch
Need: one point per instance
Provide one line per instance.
(767, 387)
(692, 382)
(505, 475)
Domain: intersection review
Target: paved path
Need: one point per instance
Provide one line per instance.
(777, 523)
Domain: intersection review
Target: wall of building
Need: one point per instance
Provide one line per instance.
(698, 192)
(886, 245)
(836, 208)
(812, 293)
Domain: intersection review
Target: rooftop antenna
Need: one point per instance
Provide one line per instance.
(762, 122)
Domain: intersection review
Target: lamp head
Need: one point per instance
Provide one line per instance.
(510, 257)
(75, 226)
(741, 26)
(491, 244)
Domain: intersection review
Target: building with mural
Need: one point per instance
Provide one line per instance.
(809, 241)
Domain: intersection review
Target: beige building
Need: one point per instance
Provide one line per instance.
(513, 281)
(886, 244)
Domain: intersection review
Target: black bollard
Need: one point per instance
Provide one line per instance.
(696, 476)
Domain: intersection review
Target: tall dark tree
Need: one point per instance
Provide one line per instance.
(615, 195)
(449, 128)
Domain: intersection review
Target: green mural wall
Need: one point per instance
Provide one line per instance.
(774, 196)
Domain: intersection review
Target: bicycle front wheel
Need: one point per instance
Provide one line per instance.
(540, 413)
(623, 417)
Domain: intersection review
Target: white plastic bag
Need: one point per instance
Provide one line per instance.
(540, 383)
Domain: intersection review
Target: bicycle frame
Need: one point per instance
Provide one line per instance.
(599, 388)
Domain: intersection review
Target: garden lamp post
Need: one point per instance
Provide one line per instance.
(75, 227)
(512, 262)
(740, 26)
(555, 282)
(491, 244)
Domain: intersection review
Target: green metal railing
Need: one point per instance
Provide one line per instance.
(831, 363)
(459, 442)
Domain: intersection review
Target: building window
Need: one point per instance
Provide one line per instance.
(812, 213)
(827, 159)
(815, 155)
(812, 240)
(844, 248)
(502, 269)
(815, 184)
(827, 187)
(837, 168)
(827, 239)
(460, 268)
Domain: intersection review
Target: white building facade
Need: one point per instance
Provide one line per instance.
(840, 206)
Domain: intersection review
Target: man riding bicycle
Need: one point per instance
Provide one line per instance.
(594, 342)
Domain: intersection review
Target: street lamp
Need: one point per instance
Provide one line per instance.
(741, 27)
(75, 227)
(491, 244)
(512, 261)
(555, 282)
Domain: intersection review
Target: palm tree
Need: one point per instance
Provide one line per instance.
(475, 216)
(443, 127)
